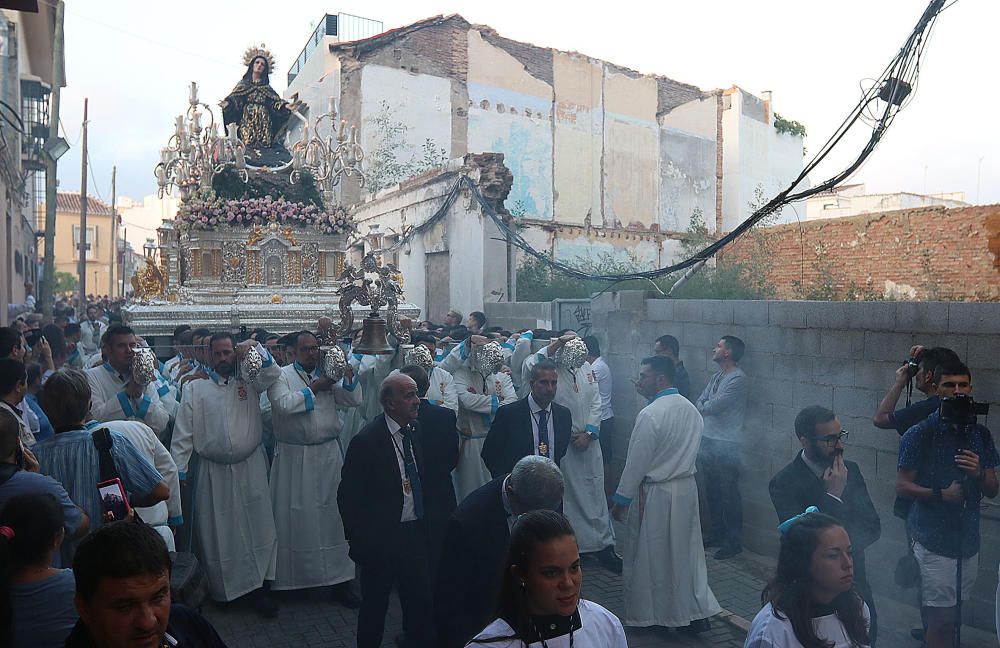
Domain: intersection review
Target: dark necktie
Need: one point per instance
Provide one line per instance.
(412, 473)
(543, 433)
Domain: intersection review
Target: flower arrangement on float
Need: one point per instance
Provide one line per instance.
(204, 210)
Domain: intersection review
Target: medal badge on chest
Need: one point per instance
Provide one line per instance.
(499, 390)
(241, 389)
(543, 449)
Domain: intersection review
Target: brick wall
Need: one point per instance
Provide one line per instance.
(841, 355)
(928, 253)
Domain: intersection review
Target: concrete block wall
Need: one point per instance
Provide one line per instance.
(838, 354)
(519, 315)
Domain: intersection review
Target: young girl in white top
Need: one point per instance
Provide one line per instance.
(540, 605)
(811, 603)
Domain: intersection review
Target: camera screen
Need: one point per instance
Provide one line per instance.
(113, 499)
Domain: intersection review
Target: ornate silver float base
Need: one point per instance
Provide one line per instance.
(160, 318)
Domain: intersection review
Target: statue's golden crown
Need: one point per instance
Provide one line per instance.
(254, 51)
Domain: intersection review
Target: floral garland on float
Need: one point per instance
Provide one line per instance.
(205, 210)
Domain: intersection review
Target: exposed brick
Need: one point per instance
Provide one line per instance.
(861, 256)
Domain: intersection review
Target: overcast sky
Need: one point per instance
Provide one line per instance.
(134, 60)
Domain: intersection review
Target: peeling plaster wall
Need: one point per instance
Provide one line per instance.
(604, 159)
(631, 140)
(688, 150)
(510, 113)
(579, 139)
(428, 118)
(464, 234)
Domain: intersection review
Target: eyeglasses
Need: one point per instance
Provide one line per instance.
(833, 438)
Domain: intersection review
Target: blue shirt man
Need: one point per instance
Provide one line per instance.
(930, 448)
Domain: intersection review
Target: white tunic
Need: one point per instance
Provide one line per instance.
(163, 513)
(90, 335)
(599, 628)
(233, 521)
(109, 402)
(370, 371)
(476, 410)
(769, 631)
(305, 476)
(442, 390)
(585, 502)
(666, 579)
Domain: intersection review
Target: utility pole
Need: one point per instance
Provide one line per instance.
(124, 257)
(84, 243)
(114, 237)
(49, 270)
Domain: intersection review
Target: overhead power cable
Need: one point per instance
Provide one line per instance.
(880, 102)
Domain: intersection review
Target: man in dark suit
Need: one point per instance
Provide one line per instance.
(384, 507)
(439, 434)
(533, 425)
(820, 476)
(475, 546)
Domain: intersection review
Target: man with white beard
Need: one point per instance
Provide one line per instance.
(233, 521)
(666, 579)
(585, 503)
(305, 475)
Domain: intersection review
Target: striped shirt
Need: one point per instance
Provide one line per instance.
(72, 459)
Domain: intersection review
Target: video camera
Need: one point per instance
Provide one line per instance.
(960, 409)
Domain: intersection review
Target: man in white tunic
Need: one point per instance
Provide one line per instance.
(91, 330)
(116, 396)
(666, 580)
(233, 521)
(481, 392)
(305, 475)
(585, 504)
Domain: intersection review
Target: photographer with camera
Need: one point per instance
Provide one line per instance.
(946, 464)
(916, 370)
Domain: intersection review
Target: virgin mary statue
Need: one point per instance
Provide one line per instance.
(260, 114)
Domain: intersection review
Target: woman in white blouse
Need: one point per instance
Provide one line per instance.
(540, 604)
(811, 603)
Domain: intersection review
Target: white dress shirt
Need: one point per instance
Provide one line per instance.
(536, 411)
(396, 437)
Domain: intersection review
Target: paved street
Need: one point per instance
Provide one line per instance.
(310, 619)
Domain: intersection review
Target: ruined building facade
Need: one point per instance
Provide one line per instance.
(606, 162)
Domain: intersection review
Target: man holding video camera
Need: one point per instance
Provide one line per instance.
(946, 464)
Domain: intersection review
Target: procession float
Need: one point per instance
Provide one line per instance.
(260, 238)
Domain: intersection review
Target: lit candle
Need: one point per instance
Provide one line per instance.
(194, 93)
